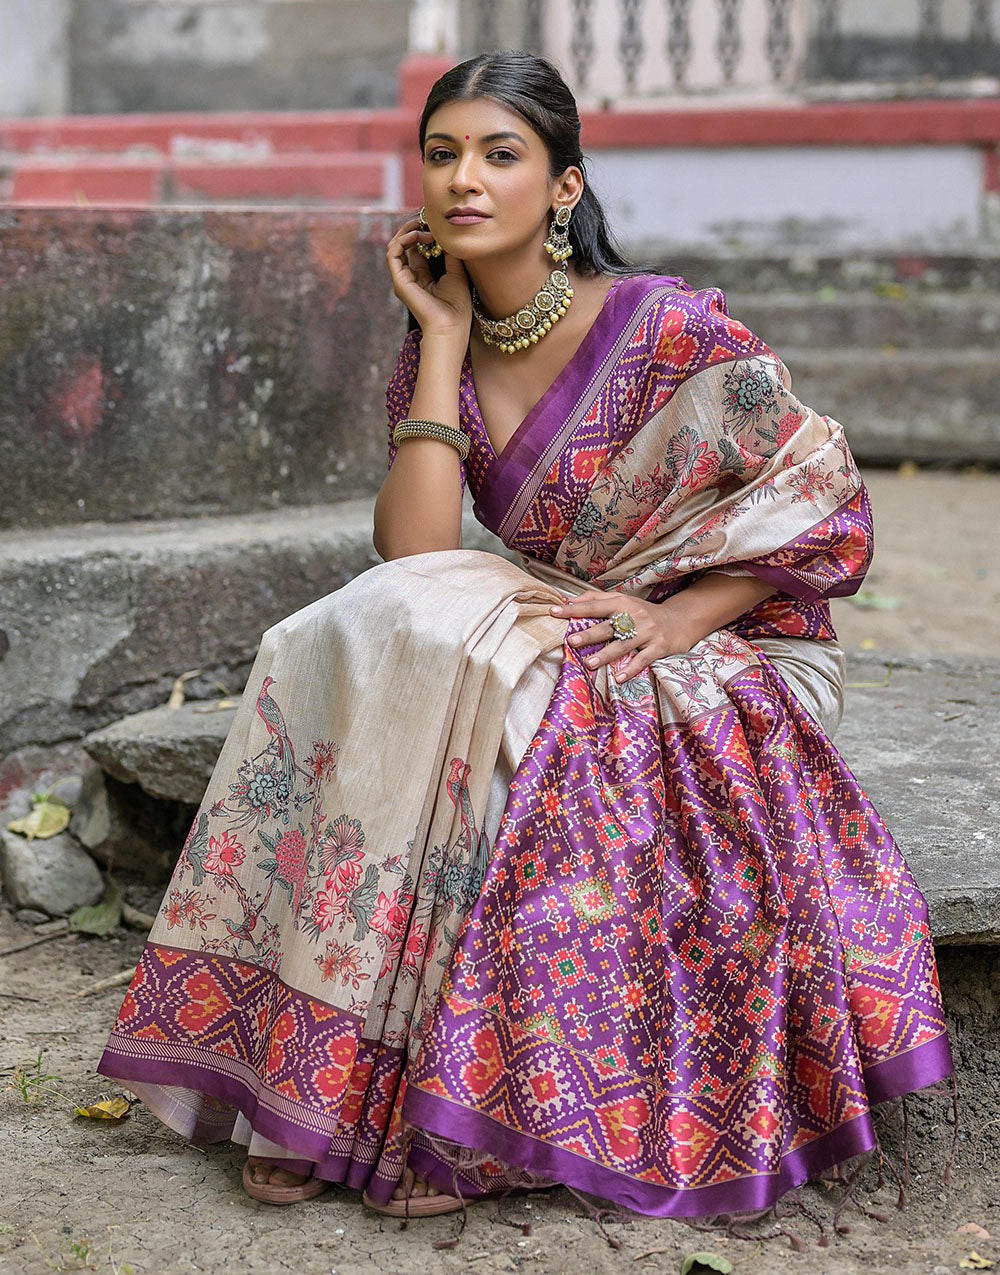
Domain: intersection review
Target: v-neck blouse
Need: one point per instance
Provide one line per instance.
(493, 477)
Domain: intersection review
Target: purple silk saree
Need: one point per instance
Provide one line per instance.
(688, 958)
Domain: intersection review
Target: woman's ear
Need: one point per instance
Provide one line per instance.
(568, 186)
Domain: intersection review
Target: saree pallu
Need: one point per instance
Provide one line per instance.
(644, 937)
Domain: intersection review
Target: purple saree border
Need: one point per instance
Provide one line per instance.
(239, 1093)
(924, 1065)
(919, 1067)
(791, 582)
(565, 400)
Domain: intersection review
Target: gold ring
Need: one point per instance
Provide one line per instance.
(623, 626)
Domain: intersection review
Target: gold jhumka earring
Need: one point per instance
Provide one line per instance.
(428, 250)
(537, 317)
(557, 244)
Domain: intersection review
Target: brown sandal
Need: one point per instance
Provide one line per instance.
(419, 1205)
(273, 1193)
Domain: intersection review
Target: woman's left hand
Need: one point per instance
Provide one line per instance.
(660, 629)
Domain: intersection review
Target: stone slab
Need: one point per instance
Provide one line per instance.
(182, 362)
(925, 745)
(920, 405)
(99, 620)
(887, 319)
(169, 752)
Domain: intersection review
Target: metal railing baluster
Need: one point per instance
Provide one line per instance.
(778, 44)
(533, 26)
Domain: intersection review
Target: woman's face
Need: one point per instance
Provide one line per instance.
(479, 154)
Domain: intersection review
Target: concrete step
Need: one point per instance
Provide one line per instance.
(920, 734)
(166, 363)
(99, 620)
(221, 135)
(884, 321)
(907, 272)
(939, 406)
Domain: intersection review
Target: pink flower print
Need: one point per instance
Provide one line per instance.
(787, 426)
(224, 854)
(328, 906)
(416, 942)
(388, 917)
(341, 852)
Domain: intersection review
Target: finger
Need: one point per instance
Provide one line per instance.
(611, 651)
(590, 603)
(600, 631)
(638, 664)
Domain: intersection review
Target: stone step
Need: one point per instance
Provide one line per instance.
(99, 620)
(920, 734)
(162, 364)
(973, 268)
(937, 406)
(880, 323)
(221, 135)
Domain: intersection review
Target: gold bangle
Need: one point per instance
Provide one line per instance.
(411, 428)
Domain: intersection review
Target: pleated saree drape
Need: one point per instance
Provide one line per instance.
(648, 938)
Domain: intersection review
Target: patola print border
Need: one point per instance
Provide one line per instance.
(925, 1065)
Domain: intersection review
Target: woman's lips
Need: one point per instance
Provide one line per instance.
(467, 219)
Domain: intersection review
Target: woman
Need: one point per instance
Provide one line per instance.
(549, 872)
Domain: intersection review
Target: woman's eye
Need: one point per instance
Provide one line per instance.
(441, 153)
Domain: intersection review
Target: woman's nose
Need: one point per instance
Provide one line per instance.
(465, 175)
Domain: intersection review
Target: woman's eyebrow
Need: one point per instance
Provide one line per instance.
(489, 137)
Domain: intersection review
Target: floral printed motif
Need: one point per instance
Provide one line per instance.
(749, 395)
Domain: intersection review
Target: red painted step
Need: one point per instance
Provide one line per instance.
(334, 178)
(234, 136)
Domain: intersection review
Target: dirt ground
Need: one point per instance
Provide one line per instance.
(934, 583)
(132, 1197)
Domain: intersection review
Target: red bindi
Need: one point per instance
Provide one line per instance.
(467, 137)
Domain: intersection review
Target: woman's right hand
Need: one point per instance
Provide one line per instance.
(442, 307)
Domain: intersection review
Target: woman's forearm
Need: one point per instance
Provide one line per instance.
(715, 600)
(419, 507)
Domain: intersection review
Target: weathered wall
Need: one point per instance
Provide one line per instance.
(235, 54)
(180, 363)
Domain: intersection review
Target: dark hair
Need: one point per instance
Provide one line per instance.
(533, 88)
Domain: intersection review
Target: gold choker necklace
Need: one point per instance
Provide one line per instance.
(529, 324)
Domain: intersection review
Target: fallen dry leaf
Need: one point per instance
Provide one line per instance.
(707, 1261)
(48, 815)
(109, 1109)
(974, 1262)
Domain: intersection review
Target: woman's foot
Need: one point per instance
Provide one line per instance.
(415, 1197)
(414, 1185)
(267, 1180)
